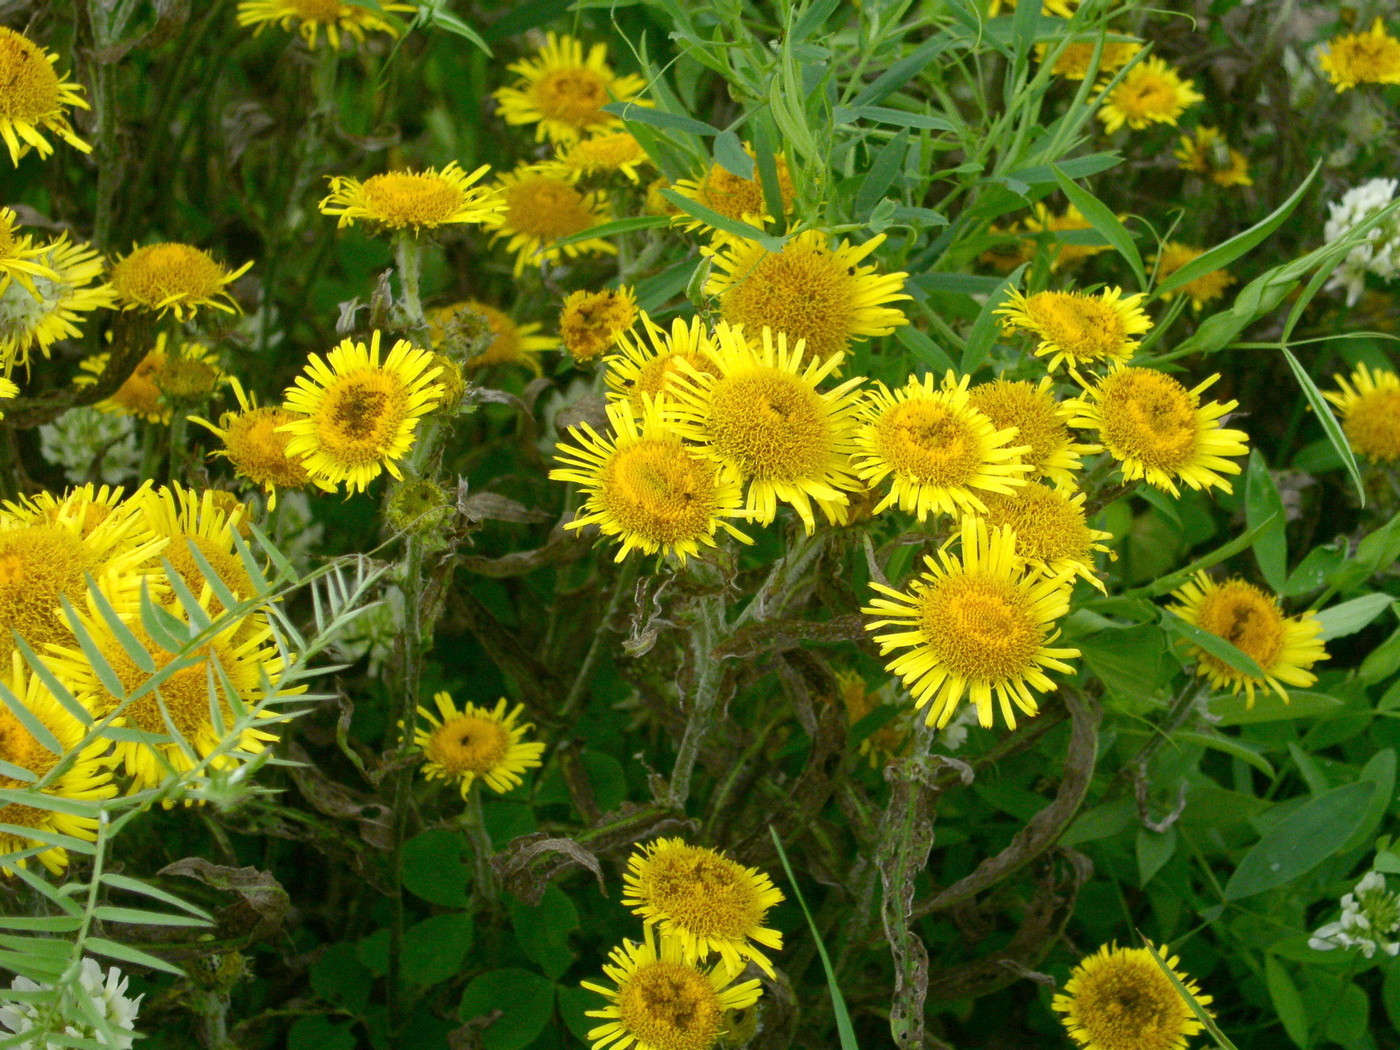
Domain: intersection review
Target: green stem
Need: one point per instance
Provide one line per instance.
(408, 255)
(473, 822)
(708, 673)
(622, 585)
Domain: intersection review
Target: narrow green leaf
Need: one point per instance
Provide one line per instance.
(897, 117)
(195, 613)
(45, 835)
(617, 226)
(124, 953)
(1230, 746)
(1207, 1021)
(30, 721)
(139, 916)
(1228, 550)
(1211, 643)
(905, 69)
(881, 174)
(1350, 617)
(1262, 503)
(60, 692)
(1270, 707)
(731, 156)
(135, 651)
(42, 923)
(1330, 426)
(123, 882)
(723, 222)
(984, 330)
(1105, 223)
(657, 118)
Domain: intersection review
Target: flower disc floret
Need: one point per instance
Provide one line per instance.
(590, 323)
(734, 196)
(978, 625)
(1370, 408)
(474, 743)
(1119, 999)
(562, 92)
(646, 367)
(1073, 60)
(256, 445)
(417, 200)
(1372, 57)
(1083, 330)
(312, 16)
(510, 343)
(1041, 423)
(541, 208)
(158, 379)
(1149, 93)
(1051, 529)
(175, 278)
(606, 154)
(35, 98)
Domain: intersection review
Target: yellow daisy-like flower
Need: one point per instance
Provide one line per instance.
(764, 416)
(592, 322)
(1160, 432)
(177, 278)
(1042, 221)
(646, 487)
(1051, 530)
(256, 445)
(35, 98)
(204, 522)
(733, 196)
(1072, 63)
(540, 209)
(978, 625)
(1041, 422)
(1370, 408)
(808, 290)
(887, 742)
(55, 307)
(1119, 999)
(562, 92)
(90, 776)
(1083, 330)
(663, 1001)
(1149, 93)
(615, 151)
(417, 200)
(158, 380)
(1249, 618)
(1203, 289)
(1057, 8)
(512, 343)
(1206, 152)
(711, 904)
(1361, 58)
(355, 415)
(20, 260)
(311, 16)
(941, 451)
(476, 742)
(641, 370)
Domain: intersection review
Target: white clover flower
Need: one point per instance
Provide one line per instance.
(105, 994)
(76, 440)
(1379, 253)
(1370, 920)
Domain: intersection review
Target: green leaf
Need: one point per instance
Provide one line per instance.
(897, 117)
(1230, 746)
(881, 174)
(1263, 504)
(1379, 770)
(722, 222)
(1102, 219)
(435, 867)
(984, 329)
(657, 118)
(317, 1032)
(1350, 617)
(542, 930)
(433, 949)
(1288, 1004)
(617, 226)
(1211, 643)
(1382, 661)
(140, 916)
(30, 721)
(1154, 849)
(1130, 661)
(1228, 550)
(1207, 1021)
(339, 977)
(1330, 426)
(731, 156)
(1270, 707)
(526, 1002)
(127, 954)
(1300, 842)
(927, 354)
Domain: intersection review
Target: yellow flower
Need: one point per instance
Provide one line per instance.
(1043, 222)
(256, 445)
(592, 322)
(563, 93)
(311, 16)
(421, 200)
(53, 311)
(764, 416)
(1250, 619)
(89, 777)
(942, 452)
(733, 196)
(1083, 330)
(1119, 999)
(711, 904)
(614, 151)
(662, 1001)
(1370, 410)
(1051, 530)
(355, 415)
(173, 277)
(1072, 62)
(1361, 58)
(655, 203)
(1149, 93)
(807, 290)
(476, 742)
(35, 98)
(1203, 289)
(1057, 8)
(641, 371)
(8, 390)
(1041, 422)
(511, 344)
(158, 380)
(647, 488)
(1208, 154)
(886, 742)
(19, 259)
(978, 625)
(540, 209)
(1160, 432)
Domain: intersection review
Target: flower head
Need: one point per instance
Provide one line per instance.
(473, 742)
(312, 16)
(1370, 408)
(1051, 530)
(647, 488)
(663, 1001)
(1206, 152)
(979, 624)
(590, 323)
(104, 993)
(562, 92)
(355, 414)
(647, 368)
(1160, 432)
(417, 200)
(35, 98)
(511, 343)
(1041, 422)
(605, 154)
(20, 259)
(1119, 999)
(540, 209)
(1067, 253)
(256, 445)
(1249, 618)
(1372, 57)
(1203, 289)
(1083, 330)
(1149, 93)
(763, 416)
(1073, 60)
(711, 904)
(808, 290)
(173, 277)
(54, 308)
(157, 380)
(1370, 920)
(734, 196)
